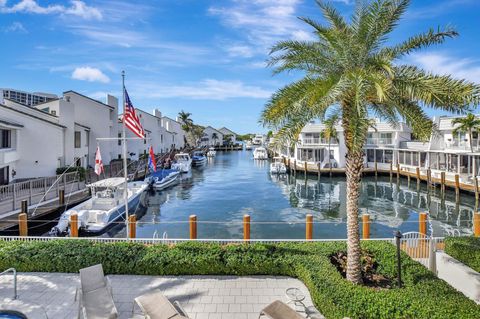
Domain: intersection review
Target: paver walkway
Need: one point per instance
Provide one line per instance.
(203, 297)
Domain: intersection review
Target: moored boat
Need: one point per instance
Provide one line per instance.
(277, 166)
(104, 209)
(248, 146)
(182, 162)
(198, 158)
(211, 152)
(260, 153)
(162, 178)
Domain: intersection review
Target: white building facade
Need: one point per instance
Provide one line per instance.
(211, 137)
(228, 135)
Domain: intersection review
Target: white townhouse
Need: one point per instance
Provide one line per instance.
(227, 133)
(382, 140)
(56, 133)
(175, 137)
(32, 142)
(211, 137)
(445, 152)
(97, 120)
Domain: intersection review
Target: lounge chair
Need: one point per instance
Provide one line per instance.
(155, 305)
(96, 300)
(279, 310)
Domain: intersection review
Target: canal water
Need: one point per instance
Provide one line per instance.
(233, 184)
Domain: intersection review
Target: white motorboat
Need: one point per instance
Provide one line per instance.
(277, 166)
(104, 209)
(211, 152)
(198, 158)
(258, 139)
(182, 162)
(260, 153)
(249, 145)
(162, 178)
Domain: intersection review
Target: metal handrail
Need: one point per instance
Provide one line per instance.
(14, 271)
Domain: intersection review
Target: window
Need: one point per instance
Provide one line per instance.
(370, 155)
(78, 139)
(6, 138)
(119, 138)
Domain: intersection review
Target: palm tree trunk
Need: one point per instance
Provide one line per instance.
(470, 137)
(329, 159)
(354, 166)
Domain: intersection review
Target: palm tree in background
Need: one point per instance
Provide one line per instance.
(349, 65)
(214, 137)
(467, 124)
(185, 120)
(329, 133)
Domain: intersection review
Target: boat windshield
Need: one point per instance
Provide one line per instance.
(181, 157)
(198, 154)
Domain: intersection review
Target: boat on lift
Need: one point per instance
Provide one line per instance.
(182, 162)
(211, 152)
(162, 178)
(260, 153)
(277, 166)
(104, 209)
(198, 158)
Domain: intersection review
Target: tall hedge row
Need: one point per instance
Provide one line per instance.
(423, 295)
(464, 249)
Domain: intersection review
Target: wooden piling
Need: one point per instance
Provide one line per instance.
(306, 169)
(398, 173)
(476, 224)
(193, 226)
(309, 227)
(475, 182)
(22, 225)
(61, 197)
(391, 171)
(246, 227)
(295, 168)
(376, 169)
(457, 185)
(442, 182)
(132, 226)
(24, 207)
(74, 225)
(417, 171)
(422, 223)
(429, 178)
(318, 168)
(366, 226)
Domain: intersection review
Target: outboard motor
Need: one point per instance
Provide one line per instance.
(55, 232)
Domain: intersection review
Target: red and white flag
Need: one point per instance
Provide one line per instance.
(98, 162)
(131, 119)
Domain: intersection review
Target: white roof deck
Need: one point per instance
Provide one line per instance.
(108, 182)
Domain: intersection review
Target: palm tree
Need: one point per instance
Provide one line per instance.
(352, 66)
(467, 124)
(214, 137)
(329, 133)
(185, 120)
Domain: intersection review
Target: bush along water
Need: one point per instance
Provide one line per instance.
(423, 295)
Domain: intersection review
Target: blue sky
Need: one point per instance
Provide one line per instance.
(205, 57)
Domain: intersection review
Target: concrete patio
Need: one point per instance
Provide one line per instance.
(203, 297)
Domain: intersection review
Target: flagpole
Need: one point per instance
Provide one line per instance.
(125, 195)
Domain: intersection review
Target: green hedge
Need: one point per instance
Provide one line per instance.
(464, 249)
(423, 295)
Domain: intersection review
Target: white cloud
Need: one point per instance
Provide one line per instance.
(264, 21)
(15, 27)
(438, 63)
(207, 89)
(243, 51)
(90, 74)
(76, 8)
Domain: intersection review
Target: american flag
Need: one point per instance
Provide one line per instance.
(131, 119)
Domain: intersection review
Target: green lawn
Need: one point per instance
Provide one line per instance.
(423, 295)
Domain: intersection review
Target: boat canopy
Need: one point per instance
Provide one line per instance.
(182, 156)
(162, 173)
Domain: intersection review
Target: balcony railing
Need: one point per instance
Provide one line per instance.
(317, 141)
(379, 141)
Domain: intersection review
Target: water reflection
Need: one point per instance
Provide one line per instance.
(233, 184)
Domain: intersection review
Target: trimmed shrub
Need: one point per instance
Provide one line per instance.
(464, 249)
(423, 295)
